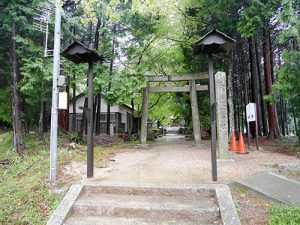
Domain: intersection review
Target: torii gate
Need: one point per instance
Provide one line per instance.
(192, 88)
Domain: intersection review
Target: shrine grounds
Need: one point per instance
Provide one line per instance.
(28, 197)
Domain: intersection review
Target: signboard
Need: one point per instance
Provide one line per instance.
(63, 100)
(250, 111)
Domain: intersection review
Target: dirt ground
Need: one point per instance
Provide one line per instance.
(174, 160)
(250, 207)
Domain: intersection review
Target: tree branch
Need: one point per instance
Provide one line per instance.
(159, 97)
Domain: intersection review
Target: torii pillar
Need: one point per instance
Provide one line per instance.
(144, 120)
(195, 113)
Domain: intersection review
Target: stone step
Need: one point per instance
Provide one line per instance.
(196, 193)
(92, 220)
(153, 205)
(145, 207)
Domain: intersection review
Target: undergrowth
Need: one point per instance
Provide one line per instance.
(284, 215)
(24, 182)
(6, 144)
(25, 196)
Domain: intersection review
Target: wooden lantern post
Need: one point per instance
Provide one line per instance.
(212, 43)
(78, 53)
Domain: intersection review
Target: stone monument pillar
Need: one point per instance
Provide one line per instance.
(221, 115)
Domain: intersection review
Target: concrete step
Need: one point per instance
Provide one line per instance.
(196, 193)
(152, 205)
(145, 206)
(92, 220)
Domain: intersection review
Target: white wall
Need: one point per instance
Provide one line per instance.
(80, 102)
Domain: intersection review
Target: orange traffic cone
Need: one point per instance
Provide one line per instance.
(241, 147)
(233, 143)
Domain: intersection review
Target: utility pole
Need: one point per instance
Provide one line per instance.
(55, 90)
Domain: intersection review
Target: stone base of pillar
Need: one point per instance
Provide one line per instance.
(142, 146)
(202, 146)
(225, 161)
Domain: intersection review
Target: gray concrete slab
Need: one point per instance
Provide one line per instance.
(228, 211)
(65, 206)
(275, 187)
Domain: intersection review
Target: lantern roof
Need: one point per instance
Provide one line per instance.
(78, 53)
(213, 42)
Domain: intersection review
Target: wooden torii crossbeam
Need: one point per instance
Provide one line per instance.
(192, 88)
(184, 77)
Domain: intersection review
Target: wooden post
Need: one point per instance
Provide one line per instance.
(144, 119)
(90, 111)
(195, 113)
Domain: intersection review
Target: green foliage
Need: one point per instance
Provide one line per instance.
(288, 80)
(36, 82)
(23, 183)
(74, 137)
(5, 105)
(6, 144)
(253, 18)
(256, 15)
(164, 107)
(284, 215)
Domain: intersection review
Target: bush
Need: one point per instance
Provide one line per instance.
(6, 144)
(284, 215)
(74, 137)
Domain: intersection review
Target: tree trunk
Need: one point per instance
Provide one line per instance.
(98, 114)
(108, 120)
(230, 99)
(83, 119)
(18, 137)
(246, 101)
(295, 122)
(282, 120)
(41, 120)
(83, 125)
(254, 86)
(286, 118)
(110, 73)
(98, 97)
(74, 104)
(132, 105)
(272, 114)
(261, 91)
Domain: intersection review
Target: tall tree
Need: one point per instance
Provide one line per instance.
(18, 137)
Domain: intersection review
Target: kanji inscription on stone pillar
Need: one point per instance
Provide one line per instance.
(221, 115)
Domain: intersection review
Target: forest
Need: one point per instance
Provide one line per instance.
(141, 37)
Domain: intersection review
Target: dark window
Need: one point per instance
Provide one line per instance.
(112, 117)
(103, 117)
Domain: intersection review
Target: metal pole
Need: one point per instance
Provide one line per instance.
(212, 118)
(90, 112)
(248, 135)
(46, 40)
(256, 128)
(54, 110)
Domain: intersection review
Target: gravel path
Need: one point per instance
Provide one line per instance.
(174, 160)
